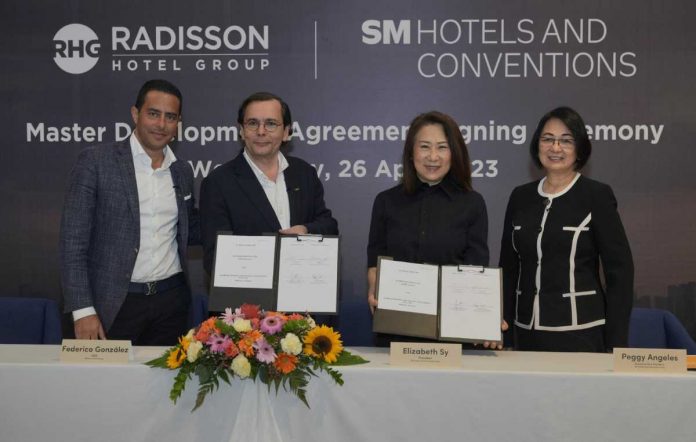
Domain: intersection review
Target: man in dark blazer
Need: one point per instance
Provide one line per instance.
(262, 190)
(129, 214)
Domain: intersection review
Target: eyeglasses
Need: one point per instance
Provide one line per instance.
(564, 143)
(254, 125)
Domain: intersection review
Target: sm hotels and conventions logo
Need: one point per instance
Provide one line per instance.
(164, 48)
(76, 48)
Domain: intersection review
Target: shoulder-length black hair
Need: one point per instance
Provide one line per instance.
(573, 121)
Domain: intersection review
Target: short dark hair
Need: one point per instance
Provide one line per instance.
(161, 86)
(266, 96)
(460, 165)
(574, 122)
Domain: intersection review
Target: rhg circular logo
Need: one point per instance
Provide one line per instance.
(76, 48)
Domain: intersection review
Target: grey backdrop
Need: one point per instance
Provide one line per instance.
(624, 65)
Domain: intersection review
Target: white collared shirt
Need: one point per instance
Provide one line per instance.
(276, 191)
(158, 256)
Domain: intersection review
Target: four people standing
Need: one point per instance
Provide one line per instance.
(130, 213)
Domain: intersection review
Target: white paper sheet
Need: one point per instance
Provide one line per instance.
(407, 287)
(308, 274)
(244, 261)
(470, 303)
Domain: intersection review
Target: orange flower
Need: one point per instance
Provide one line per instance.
(278, 314)
(255, 323)
(246, 343)
(295, 317)
(232, 350)
(206, 329)
(246, 347)
(285, 363)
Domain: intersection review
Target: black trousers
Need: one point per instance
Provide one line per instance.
(590, 340)
(158, 319)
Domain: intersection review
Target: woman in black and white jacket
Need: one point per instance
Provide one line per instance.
(558, 233)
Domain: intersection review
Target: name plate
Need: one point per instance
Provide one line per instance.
(88, 351)
(653, 360)
(425, 355)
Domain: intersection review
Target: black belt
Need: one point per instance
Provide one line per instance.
(154, 287)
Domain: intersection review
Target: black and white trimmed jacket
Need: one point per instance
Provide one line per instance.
(551, 252)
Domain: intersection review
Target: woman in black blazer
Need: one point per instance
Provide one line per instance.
(558, 233)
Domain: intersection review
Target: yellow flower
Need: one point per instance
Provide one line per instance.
(176, 358)
(184, 342)
(291, 344)
(193, 351)
(241, 366)
(241, 325)
(323, 342)
(190, 334)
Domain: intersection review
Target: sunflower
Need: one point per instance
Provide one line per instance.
(176, 357)
(323, 342)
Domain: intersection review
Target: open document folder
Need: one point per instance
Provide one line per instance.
(291, 273)
(452, 303)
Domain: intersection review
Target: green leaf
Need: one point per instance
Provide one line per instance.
(203, 391)
(223, 375)
(348, 358)
(297, 326)
(336, 375)
(179, 384)
(160, 362)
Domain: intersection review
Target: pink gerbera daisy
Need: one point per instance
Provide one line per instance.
(218, 344)
(271, 324)
(264, 351)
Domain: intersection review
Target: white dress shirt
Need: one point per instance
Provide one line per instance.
(158, 256)
(276, 191)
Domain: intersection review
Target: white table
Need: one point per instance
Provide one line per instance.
(495, 396)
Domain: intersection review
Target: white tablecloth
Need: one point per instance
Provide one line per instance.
(495, 396)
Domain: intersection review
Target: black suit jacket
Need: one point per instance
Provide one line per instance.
(232, 199)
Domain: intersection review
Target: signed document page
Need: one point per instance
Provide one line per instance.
(244, 261)
(407, 287)
(470, 303)
(308, 274)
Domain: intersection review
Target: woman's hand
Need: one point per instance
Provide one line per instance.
(497, 345)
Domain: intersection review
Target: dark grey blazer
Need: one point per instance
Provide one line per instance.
(233, 200)
(100, 228)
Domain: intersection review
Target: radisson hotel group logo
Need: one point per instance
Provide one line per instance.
(164, 48)
(76, 48)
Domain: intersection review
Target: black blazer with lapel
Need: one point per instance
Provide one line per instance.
(232, 199)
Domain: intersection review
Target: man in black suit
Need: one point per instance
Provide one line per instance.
(262, 190)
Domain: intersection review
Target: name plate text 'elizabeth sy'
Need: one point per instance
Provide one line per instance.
(425, 355)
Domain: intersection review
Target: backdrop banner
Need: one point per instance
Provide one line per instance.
(355, 74)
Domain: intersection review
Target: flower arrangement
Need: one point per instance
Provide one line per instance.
(276, 348)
